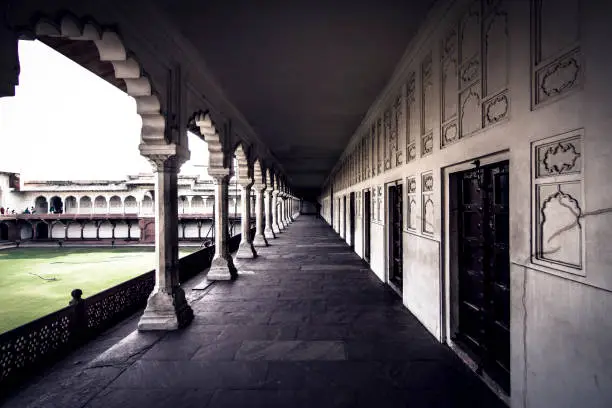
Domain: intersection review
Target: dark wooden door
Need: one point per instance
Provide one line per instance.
(484, 269)
(367, 212)
(352, 218)
(395, 235)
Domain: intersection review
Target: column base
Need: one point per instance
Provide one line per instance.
(166, 311)
(222, 269)
(260, 241)
(269, 234)
(246, 251)
(276, 229)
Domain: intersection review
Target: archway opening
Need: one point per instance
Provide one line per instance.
(56, 205)
(40, 205)
(4, 232)
(42, 230)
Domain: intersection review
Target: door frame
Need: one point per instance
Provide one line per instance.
(352, 217)
(386, 209)
(366, 219)
(449, 269)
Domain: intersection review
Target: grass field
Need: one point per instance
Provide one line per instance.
(24, 296)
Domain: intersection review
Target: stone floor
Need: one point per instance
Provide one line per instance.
(305, 325)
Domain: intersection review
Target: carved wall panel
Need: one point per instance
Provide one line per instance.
(495, 46)
(469, 33)
(557, 65)
(427, 184)
(387, 144)
(475, 82)
(413, 127)
(397, 128)
(449, 132)
(427, 104)
(411, 189)
(381, 146)
(558, 231)
(373, 205)
(470, 117)
(379, 204)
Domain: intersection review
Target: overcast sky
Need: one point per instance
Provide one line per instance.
(66, 123)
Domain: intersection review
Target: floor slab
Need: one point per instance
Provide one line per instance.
(309, 325)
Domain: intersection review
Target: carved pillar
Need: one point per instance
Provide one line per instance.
(219, 168)
(260, 238)
(269, 201)
(284, 210)
(167, 308)
(222, 266)
(275, 224)
(245, 250)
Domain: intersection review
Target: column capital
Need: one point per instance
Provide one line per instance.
(245, 183)
(259, 187)
(165, 157)
(219, 177)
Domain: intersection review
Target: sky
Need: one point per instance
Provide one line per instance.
(66, 123)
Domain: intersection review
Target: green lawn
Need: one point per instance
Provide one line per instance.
(25, 296)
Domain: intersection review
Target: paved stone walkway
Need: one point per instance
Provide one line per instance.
(305, 325)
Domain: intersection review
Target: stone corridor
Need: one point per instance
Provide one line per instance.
(306, 324)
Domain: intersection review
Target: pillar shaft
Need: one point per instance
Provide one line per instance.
(260, 238)
(269, 231)
(246, 249)
(275, 225)
(222, 265)
(167, 308)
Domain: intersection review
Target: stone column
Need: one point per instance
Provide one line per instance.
(269, 201)
(275, 224)
(260, 238)
(245, 250)
(279, 212)
(284, 208)
(167, 308)
(222, 266)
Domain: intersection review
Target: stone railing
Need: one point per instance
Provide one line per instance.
(33, 346)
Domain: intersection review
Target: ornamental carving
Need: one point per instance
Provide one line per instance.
(449, 44)
(428, 215)
(427, 146)
(412, 152)
(560, 230)
(428, 182)
(449, 133)
(412, 185)
(470, 72)
(412, 214)
(559, 77)
(496, 109)
(560, 158)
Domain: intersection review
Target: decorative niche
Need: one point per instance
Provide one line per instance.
(557, 202)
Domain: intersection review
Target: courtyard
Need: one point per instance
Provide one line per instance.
(38, 281)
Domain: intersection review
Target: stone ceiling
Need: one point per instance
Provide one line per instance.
(303, 73)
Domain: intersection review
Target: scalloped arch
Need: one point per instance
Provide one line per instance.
(243, 171)
(216, 153)
(112, 49)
